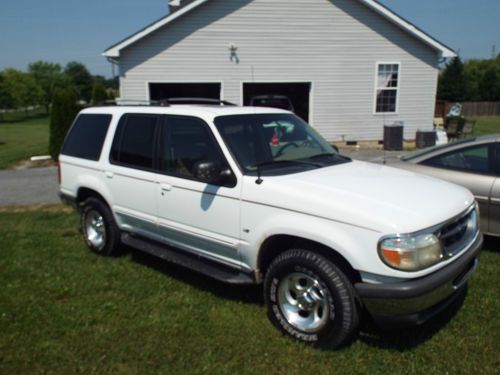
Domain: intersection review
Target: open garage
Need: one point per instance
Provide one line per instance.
(297, 92)
(159, 91)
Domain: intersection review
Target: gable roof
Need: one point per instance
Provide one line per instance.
(188, 5)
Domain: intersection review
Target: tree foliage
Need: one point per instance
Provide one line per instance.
(48, 76)
(22, 87)
(474, 80)
(452, 81)
(64, 110)
(99, 93)
(37, 86)
(6, 99)
(80, 78)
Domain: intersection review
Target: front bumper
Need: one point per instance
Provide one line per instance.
(415, 301)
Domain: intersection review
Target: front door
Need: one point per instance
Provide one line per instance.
(193, 215)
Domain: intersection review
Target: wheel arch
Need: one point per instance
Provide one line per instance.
(84, 193)
(279, 243)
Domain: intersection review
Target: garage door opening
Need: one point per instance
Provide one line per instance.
(298, 93)
(159, 91)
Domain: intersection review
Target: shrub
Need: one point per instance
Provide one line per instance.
(99, 94)
(64, 110)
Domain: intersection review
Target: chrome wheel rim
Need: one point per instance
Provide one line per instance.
(304, 302)
(95, 230)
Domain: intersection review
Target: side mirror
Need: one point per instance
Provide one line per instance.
(211, 172)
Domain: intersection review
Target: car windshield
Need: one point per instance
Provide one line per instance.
(273, 144)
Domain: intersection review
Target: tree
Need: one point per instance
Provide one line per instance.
(99, 94)
(489, 85)
(452, 82)
(22, 87)
(48, 76)
(64, 110)
(6, 99)
(80, 78)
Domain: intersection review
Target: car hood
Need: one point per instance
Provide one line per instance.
(376, 197)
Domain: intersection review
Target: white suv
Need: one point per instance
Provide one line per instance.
(255, 195)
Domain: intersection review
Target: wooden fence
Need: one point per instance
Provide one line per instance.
(469, 108)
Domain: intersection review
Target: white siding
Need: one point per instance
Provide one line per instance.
(334, 44)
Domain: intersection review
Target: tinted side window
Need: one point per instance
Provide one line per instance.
(472, 159)
(497, 158)
(186, 142)
(135, 140)
(86, 136)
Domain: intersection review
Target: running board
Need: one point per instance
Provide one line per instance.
(194, 262)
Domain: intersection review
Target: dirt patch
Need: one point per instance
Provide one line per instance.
(37, 207)
(28, 164)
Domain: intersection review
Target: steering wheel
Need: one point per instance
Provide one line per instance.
(283, 148)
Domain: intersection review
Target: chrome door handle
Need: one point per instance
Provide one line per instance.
(166, 187)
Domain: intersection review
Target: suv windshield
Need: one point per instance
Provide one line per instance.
(275, 143)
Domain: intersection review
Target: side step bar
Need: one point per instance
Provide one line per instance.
(191, 261)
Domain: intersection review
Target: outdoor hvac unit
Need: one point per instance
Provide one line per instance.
(393, 137)
(426, 139)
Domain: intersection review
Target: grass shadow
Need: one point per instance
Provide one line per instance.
(407, 338)
(241, 293)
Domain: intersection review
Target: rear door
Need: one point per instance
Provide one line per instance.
(193, 215)
(472, 167)
(130, 175)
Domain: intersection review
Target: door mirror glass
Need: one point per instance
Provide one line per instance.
(211, 172)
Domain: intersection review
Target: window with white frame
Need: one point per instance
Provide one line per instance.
(387, 88)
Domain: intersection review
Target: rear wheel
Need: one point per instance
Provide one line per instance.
(100, 232)
(310, 298)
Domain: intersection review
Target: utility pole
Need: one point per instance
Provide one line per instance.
(494, 51)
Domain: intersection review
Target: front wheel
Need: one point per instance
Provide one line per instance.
(310, 298)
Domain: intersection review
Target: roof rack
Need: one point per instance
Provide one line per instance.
(164, 102)
(198, 101)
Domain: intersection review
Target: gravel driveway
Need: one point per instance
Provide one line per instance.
(28, 186)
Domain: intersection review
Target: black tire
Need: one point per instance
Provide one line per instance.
(333, 296)
(110, 244)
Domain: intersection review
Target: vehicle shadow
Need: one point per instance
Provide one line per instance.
(397, 338)
(491, 244)
(240, 293)
(407, 338)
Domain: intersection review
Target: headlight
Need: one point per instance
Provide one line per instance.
(410, 253)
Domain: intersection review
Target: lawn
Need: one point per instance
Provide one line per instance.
(64, 310)
(486, 125)
(23, 139)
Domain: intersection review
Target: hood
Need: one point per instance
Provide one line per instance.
(376, 197)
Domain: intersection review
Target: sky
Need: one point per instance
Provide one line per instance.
(69, 30)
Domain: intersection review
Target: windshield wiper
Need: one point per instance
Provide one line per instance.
(331, 154)
(277, 162)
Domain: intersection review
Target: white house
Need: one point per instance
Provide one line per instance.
(349, 66)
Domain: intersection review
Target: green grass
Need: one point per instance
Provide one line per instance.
(64, 310)
(486, 125)
(22, 115)
(21, 140)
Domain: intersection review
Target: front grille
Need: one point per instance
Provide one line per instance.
(455, 235)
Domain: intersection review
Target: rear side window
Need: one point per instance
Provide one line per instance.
(86, 136)
(472, 159)
(134, 142)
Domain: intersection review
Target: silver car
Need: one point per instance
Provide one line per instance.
(471, 162)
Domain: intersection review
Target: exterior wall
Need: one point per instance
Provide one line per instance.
(334, 44)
